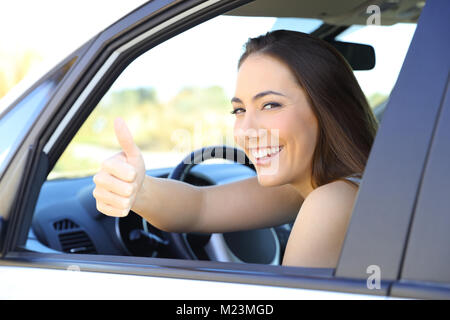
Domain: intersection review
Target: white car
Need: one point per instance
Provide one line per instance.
(56, 245)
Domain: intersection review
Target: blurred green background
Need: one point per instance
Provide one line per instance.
(165, 132)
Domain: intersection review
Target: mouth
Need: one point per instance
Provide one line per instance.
(264, 155)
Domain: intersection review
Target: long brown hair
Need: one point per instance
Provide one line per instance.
(347, 126)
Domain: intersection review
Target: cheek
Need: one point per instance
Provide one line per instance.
(237, 134)
(309, 134)
(304, 128)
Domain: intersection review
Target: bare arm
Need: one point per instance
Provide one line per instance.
(179, 207)
(247, 205)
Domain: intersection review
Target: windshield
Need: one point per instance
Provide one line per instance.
(15, 123)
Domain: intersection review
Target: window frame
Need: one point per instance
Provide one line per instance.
(350, 275)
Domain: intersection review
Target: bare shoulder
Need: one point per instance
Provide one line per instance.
(329, 206)
(336, 193)
(319, 230)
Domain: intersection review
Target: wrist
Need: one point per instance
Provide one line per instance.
(140, 198)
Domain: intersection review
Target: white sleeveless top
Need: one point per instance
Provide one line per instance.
(356, 178)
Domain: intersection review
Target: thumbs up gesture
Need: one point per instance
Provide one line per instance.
(121, 176)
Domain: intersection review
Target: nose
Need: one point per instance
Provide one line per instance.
(248, 131)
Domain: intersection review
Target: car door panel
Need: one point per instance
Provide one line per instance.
(309, 281)
(76, 283)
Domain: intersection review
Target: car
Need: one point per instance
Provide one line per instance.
(55, 244)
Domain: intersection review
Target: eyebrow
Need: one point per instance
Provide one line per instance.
(259, 96)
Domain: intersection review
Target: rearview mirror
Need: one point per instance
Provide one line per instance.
(359, 56)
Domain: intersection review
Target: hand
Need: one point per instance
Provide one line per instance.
(121, 176)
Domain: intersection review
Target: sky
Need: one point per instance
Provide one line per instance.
(55, 28)
(206, 55)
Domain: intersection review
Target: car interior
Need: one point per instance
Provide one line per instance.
(66, 220)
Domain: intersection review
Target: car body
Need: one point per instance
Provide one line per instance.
(396, 244)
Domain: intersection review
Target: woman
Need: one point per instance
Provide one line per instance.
(303, 120)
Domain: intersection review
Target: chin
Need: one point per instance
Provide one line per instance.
(270, 180)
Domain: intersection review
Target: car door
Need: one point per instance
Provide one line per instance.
(380, 225)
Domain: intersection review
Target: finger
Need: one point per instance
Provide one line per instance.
(111, 199)
(114, 185)
(120, 169)
(125, 139)
(111, 211)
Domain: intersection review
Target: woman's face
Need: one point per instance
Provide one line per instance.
(275, 124)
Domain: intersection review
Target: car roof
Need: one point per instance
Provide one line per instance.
(342, 12)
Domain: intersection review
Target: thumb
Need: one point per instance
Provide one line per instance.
(125, 139)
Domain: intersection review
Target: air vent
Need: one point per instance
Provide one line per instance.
(76, 242)
(65, 224)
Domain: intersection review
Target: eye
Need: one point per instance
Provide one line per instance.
(238, 111)
(271, 105)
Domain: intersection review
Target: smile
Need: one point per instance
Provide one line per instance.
(263, 155)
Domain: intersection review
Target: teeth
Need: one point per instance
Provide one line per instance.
(264, 152)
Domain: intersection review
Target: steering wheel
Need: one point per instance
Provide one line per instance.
(257, 246)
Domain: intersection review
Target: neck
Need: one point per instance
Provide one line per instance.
(303, 187)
